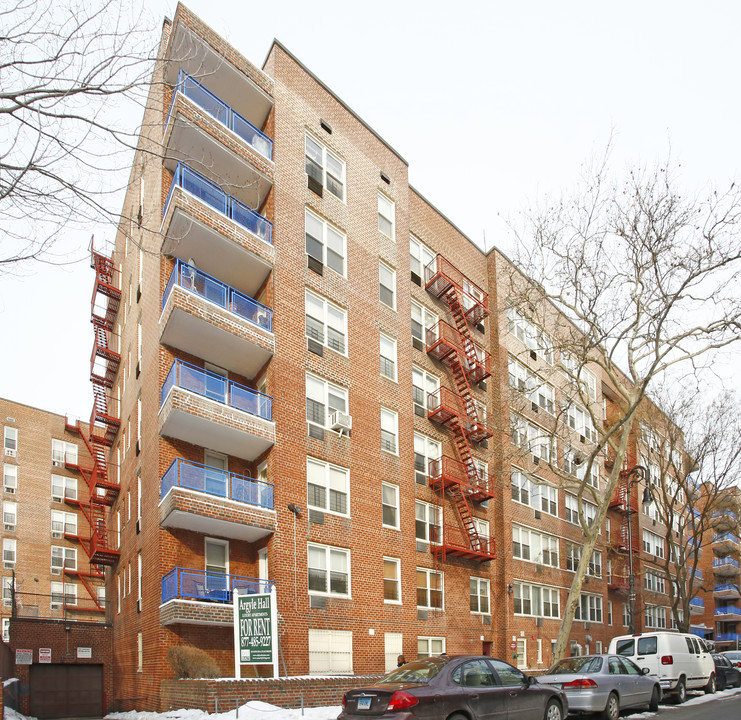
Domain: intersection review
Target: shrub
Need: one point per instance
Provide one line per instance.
(191, 662)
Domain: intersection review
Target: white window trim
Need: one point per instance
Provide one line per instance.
(394, 359)
(325, 322)
(327, 467)
(397, 563)
(328, 550)
(392, 289)
(395, 489)
(394, 417)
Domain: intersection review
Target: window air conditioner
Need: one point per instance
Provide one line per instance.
(57, 463)
(9, 452)
(340, 421)
(56, 533)
(56, 571)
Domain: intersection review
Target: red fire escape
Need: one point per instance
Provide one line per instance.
(468, 363)
(104, 424)
(620, 539)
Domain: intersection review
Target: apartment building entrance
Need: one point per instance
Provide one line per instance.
(66, 691)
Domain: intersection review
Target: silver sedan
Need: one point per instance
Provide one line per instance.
(605, 684)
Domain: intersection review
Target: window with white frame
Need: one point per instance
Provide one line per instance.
(392, 580)
(540, 393)
(420, 256)
(10, 515)
(325, 243)
(423, 320)
(538, 495)
(329, 570)
(387, 285)
(483, 472)
(328, 487)
(589, 608)
(322, 399)
(428, 522)
(572, 510)
(654, 581)
(390, 505)
(10, 440)
(595, 565)
(63, 452)
(6, 629)
(479, 595)
(9, 552)
(386, 213)
(482, 528)
(8, 591)
(573, 556)
(423, 384)
(626, 615)
(548, 498)
(63, 488)
(675, 621)
(430, 646)
(325, 168)
(609, 612)
(578, 419)
(535, 600)
(531, 438)
(63, 522)
(534, 546)
(326, 323)
(653, 544)
(63, 558)
(425, 451)
(579, 374)
(388, 357)
(530, 334)
(63, 593)
(389, 431)
(10, 477)
(655, 617)
(429, 589)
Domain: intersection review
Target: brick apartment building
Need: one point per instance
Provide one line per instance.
(309, 377)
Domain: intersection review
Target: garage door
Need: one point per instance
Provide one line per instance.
(65, 691)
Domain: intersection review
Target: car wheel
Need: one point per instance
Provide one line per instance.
(553, 711)
(653, 704)
(710, 687)
(720, 683)
(612, 709)
(681, 692)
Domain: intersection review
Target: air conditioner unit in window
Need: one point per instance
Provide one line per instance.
(57, 463)
(10, 490)
(57, 498)
(9, 528)
(56, 571)
(9, 452)
(56, 533)
(340, 421)
(8, 565)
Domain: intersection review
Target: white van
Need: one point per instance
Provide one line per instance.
(679, 660)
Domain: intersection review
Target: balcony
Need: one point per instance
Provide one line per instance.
(727, 637)
(223, 236)
(619, 500)
(443, 340)
(725, 566)
(208, 319)
(725, 542)
(618, 584)
(698, 576)
(447, 471)
(697, 606)
(724, 519)
(457, 543)
(446, 407)
(211, 501)
(727, 590)
(442, 278)
(197, 597)
(728, 612)
(206, 409)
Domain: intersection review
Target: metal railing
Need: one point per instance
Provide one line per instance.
(728, 610)
(697, 602)
(725, 562)
(213, 481)
(211, 194)
(698, 574)
(217, 292)
(217, 388)
(727, 637)
(185, 583)
(727, 586)
(725, 537)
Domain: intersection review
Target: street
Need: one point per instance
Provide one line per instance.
(724, 705)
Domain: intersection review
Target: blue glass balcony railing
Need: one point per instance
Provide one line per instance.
(697, 602)
(725, 562)
(698, 574)
(206, 100)
(211, 194)
(186, 276)
(218, 388)
(214, 481)
(727, 637)
(724, 513)
(726, 536)
(202, 585)
(728, 610)
(725, 587)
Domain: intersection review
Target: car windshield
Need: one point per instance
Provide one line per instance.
(571, 665)
(418, 671)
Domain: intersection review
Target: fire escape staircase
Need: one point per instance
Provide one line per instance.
(620, 541)
(457, 410)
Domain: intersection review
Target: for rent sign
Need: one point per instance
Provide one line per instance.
(255, 630)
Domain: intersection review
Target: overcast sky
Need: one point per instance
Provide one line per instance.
(492, 104)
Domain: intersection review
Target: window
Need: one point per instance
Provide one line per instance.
(479, 594)
(323, 398)
(325, 168)
(655, 617)
(539, 392)
(387, 286)
(11, 441)
(653, 544)
(327, 487)
(329, 570)
(389, 431)
(388, 357)
(423, 384)
(595, 565)
(63, 452)
(390, 505)
(482, 469)
(539, 496)
(428, 522)
(589, 608)
(423, 320)
(63, 523)
(426, 450)
(579, 374)
(530, 545)
(572, 510)
(63, 557)
(420, 256)
(429, 589)
(521, 488)
(330, 652)
(8, 591)
(63, 593)
(6, 629)
(536, 600)
(325, 243)
(654, 582)
(674, 621)
(573, 556)
(9, 552)
(575, 464)
(626, 615)
(386, 216)
(531, 438)
(326, 323)
(10, 477)
(429, 646)
(579, 419)
(63, 487)
(10, 515)
(530, 334)
(548, 498)
(609, 612)
(392, 580)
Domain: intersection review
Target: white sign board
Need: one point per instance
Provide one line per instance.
(84, 653)
(44, 655)
(23, 657)
(255, 630)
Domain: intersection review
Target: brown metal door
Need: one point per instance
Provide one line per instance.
(64, 691)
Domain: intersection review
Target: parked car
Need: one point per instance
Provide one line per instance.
(734, 656)
(679, 660)
(605, 684)
(462, 687)
(726, 673)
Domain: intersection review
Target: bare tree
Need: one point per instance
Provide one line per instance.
(71, 74)
(635, 282)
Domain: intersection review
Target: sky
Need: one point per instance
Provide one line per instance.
(493, 105)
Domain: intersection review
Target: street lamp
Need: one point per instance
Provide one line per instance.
(637, 473)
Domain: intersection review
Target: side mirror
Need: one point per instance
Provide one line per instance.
(531, 680)
(645, 671)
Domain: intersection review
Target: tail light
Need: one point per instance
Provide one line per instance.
(667, 660)
(580, 683)
(344, 701)
(401, 700)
